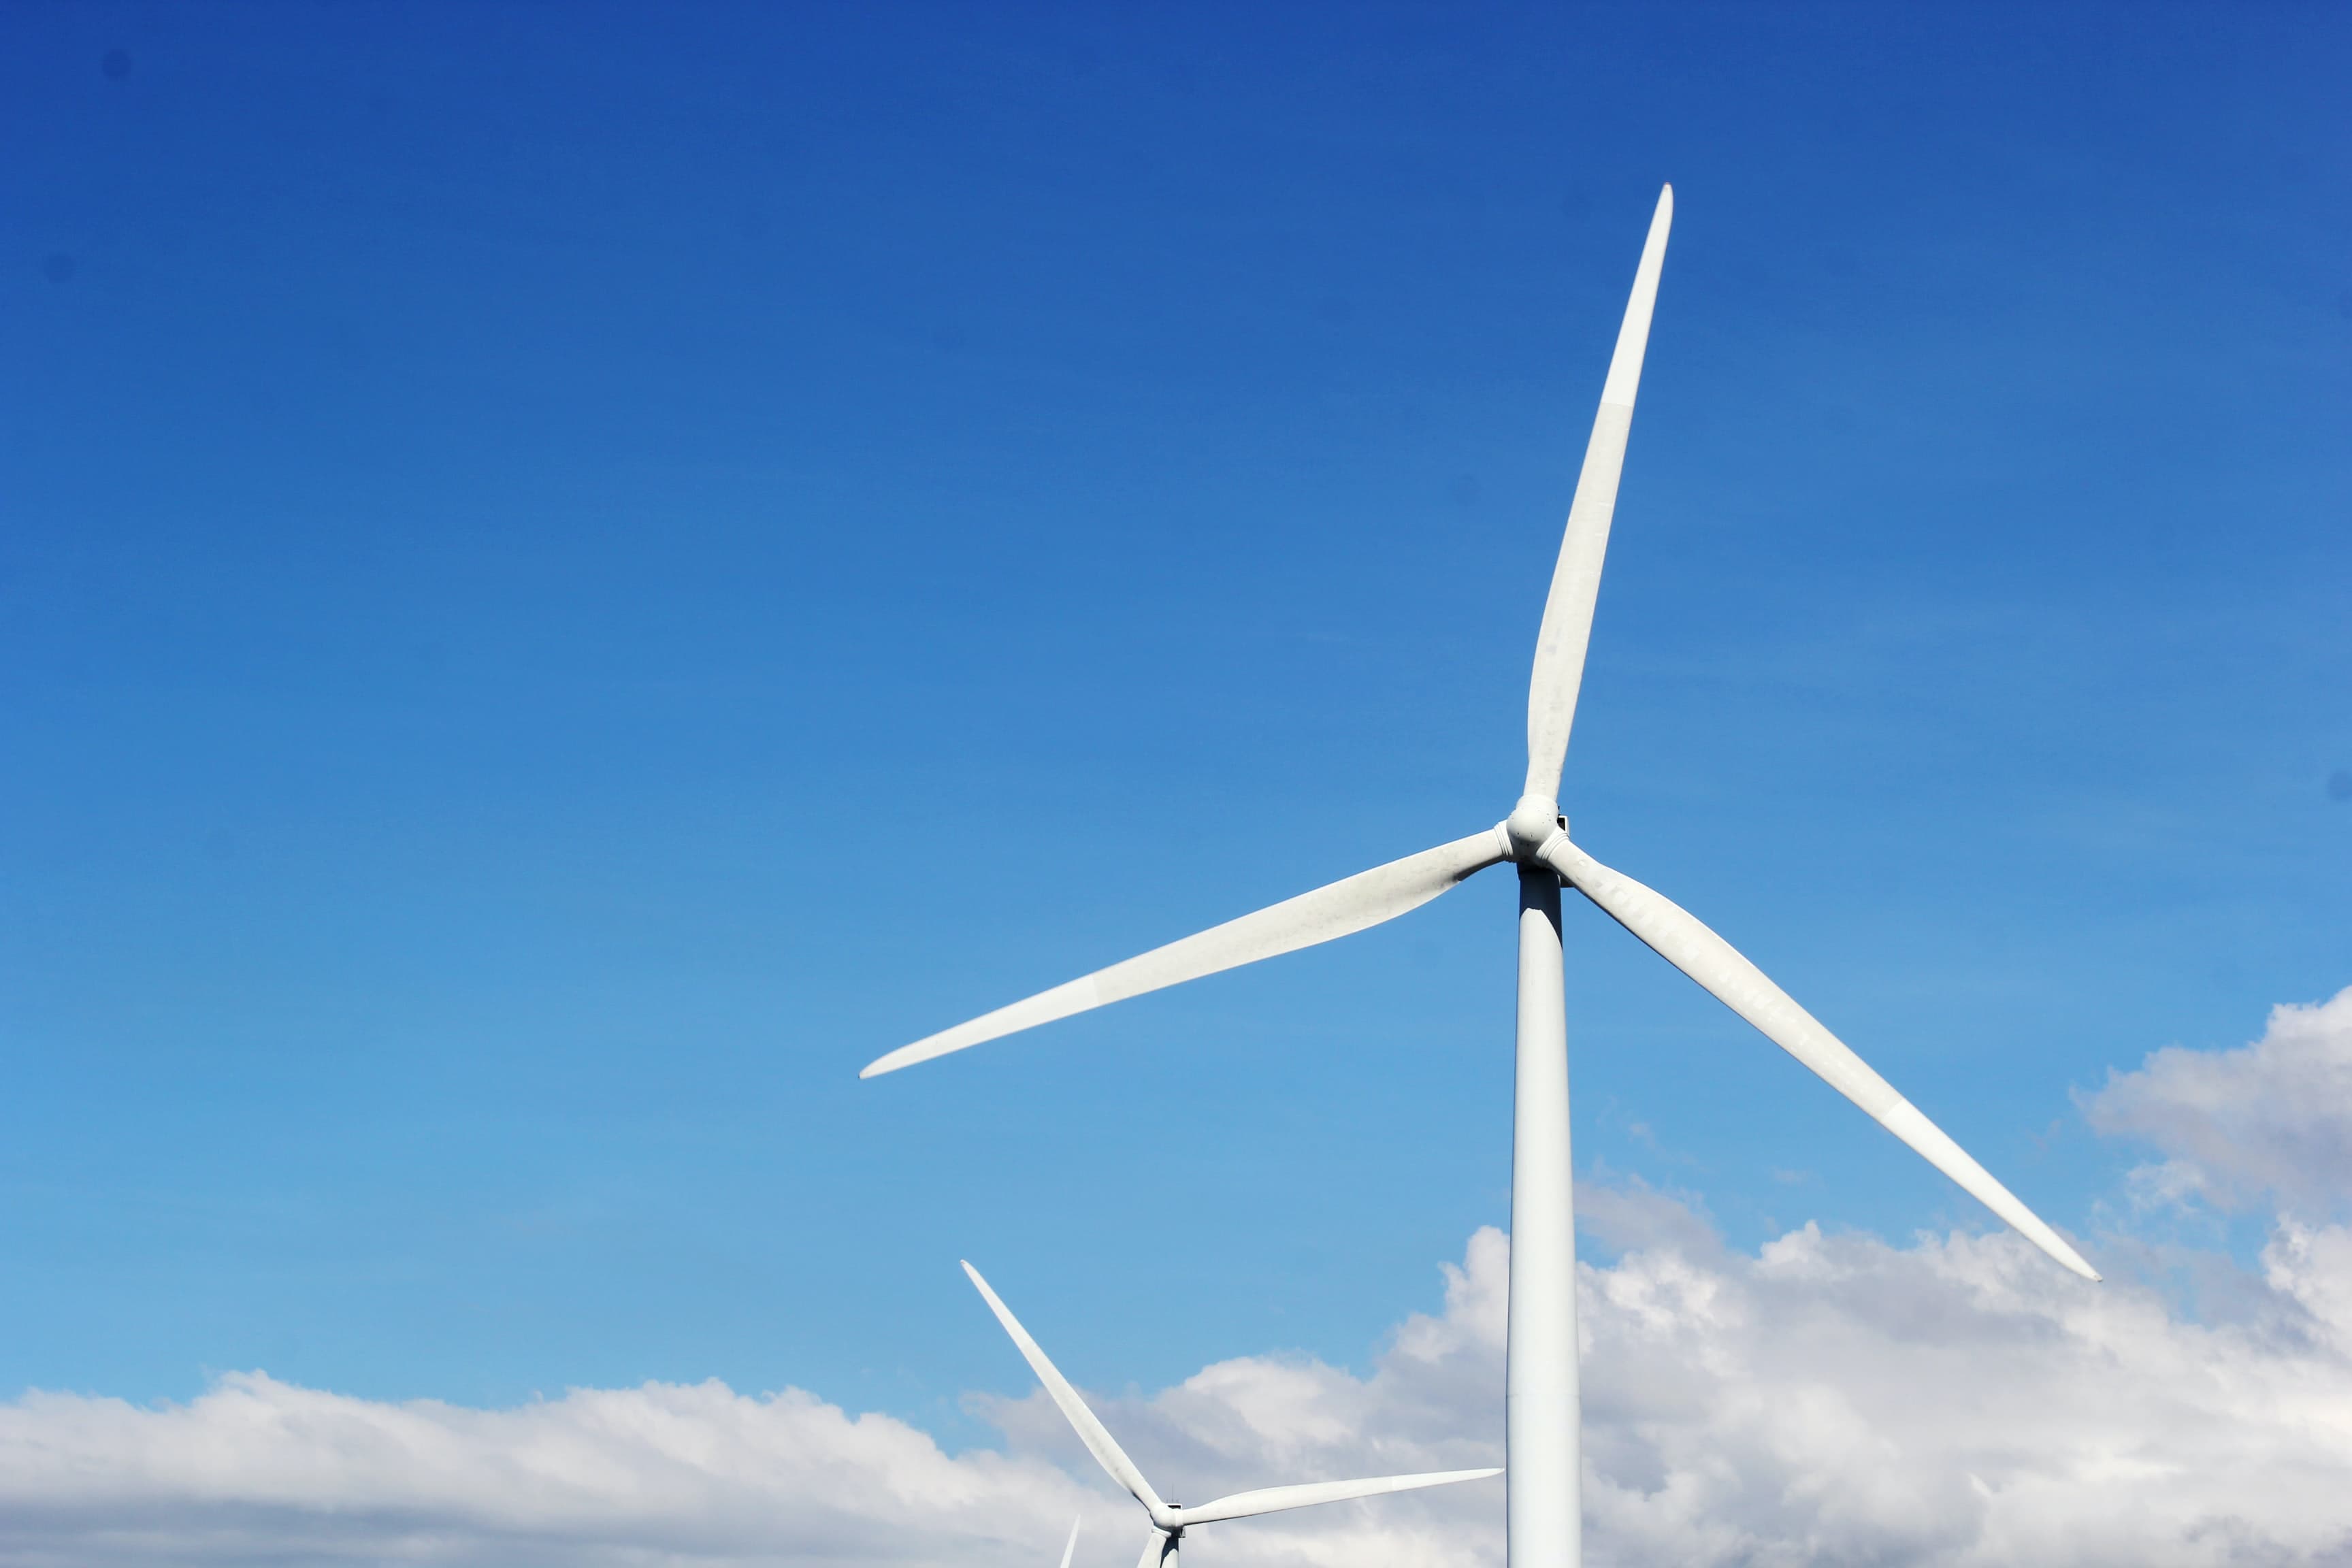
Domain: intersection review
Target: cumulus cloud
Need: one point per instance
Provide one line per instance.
(1826, 1399)
(2273, 1119)
(258, 1470)
(1954, 1401)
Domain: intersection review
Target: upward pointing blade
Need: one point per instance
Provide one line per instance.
(1576, 578)
(1683, 941)
(1091, 1432)
(1070, 1547)
(1330, 911)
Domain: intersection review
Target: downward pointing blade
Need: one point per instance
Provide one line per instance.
(1273, 1500)
(1091, 1432)
(1334, 910)
(1576, 578)
(1682, 940)
(1155, 1547)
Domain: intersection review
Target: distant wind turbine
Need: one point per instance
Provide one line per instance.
(1541, 1411)
(1168, 1523)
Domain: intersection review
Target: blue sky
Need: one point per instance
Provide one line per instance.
(571, 575)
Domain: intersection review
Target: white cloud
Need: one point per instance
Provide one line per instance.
(2272, 1118)
(1955, 1401)
(261, 1469)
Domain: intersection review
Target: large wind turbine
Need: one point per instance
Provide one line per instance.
(1170, 1521)
(1541, 1402)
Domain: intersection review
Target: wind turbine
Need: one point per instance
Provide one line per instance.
(1070, 1547)
(1541, 1397)
(1168, 1523)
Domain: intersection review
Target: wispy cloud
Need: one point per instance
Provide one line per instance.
(1952, 1401)
(2271, 1120)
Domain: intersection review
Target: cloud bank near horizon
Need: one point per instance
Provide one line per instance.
(1952, 1401)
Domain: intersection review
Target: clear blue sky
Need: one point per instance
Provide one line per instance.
(568, 575)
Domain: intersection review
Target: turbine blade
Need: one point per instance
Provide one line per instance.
(1273, 1500)
(1576, 577)
(1155, 1546)
(1070, 1546)
(1336, 910)
(1091, 1432)
(1683, 941)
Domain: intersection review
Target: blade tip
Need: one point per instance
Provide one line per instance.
(2065, 1253)
(891, 1061)
(2068, 1259)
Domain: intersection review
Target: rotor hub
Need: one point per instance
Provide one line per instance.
(1533, 823)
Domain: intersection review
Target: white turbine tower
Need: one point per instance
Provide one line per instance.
(1540, 1402)
(1168, 1523)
